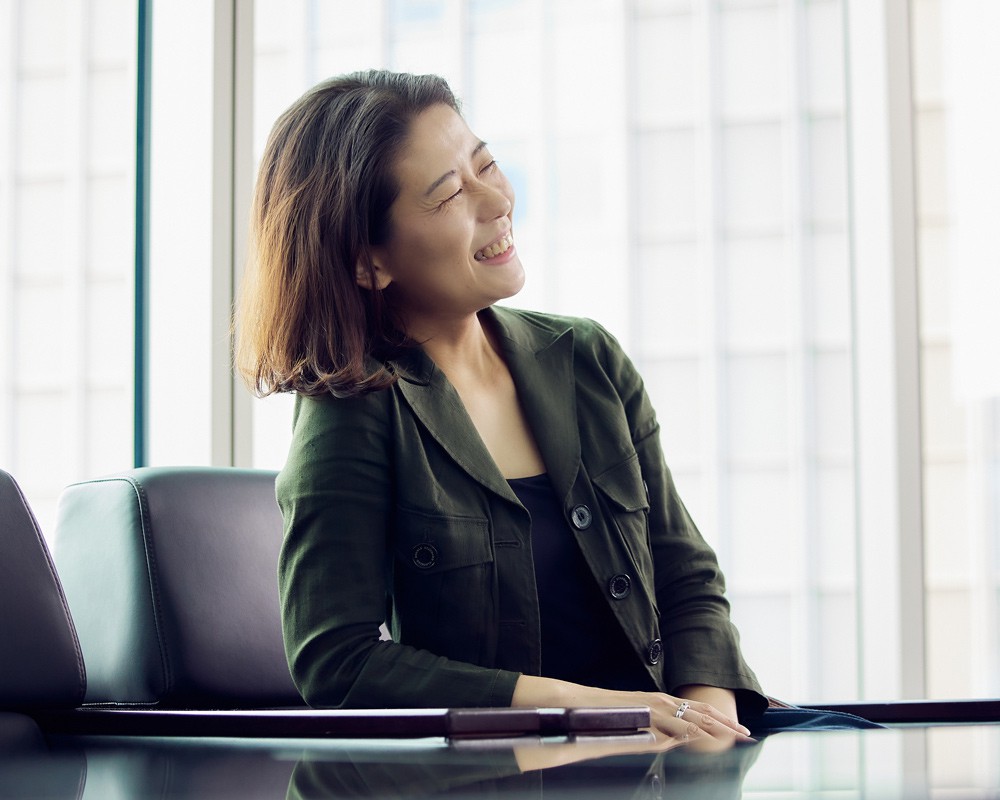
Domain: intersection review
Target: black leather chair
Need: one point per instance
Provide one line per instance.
(41, 666)
(170, 574)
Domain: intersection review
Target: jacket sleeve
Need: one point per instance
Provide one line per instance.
(700, 642)
(334, 569)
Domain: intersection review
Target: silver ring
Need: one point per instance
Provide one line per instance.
(684, 706)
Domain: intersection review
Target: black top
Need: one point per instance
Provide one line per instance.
(581, 640)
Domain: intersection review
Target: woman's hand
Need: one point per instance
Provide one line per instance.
(692, 720)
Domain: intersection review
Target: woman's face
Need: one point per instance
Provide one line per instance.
(451, 250)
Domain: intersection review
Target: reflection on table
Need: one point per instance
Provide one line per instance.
(900, 762)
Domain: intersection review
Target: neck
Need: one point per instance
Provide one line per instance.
(462, 349)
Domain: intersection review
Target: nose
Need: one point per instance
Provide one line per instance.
(496, 201)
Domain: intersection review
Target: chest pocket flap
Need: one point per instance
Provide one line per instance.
(623, 485)
(432, 543)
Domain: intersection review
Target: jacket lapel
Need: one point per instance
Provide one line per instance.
(541, 363)
(438, 406)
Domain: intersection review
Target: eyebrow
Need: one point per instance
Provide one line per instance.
(449, 173)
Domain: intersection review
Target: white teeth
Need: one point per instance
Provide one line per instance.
(494, 249)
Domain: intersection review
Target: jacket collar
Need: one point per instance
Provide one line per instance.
(539, 355)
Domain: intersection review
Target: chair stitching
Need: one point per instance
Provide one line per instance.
(147, 539)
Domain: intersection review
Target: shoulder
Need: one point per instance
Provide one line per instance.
(324, 410)
(322, 422)
(330, 436)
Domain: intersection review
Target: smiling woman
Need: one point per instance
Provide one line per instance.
(491, 478)
(450, 252)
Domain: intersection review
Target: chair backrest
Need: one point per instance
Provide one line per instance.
(41, 665)
(171, 575)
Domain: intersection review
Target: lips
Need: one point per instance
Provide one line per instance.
(502, 245)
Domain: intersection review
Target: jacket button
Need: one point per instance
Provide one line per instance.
(620, 586)
(654, 651)
(425, 555)
(581, 517)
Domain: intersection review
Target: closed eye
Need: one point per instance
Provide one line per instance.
(487, 169)
(448, 200)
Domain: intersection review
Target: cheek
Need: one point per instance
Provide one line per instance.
(415, 243)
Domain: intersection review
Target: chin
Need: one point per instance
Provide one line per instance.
(517, 281)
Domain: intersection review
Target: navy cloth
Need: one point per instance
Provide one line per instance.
(581, 640)
(775, 720)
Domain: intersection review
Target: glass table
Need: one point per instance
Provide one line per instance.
(911, 760)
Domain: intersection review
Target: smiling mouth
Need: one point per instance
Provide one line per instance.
(495, 249)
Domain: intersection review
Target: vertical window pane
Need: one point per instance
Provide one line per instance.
(752, 74)
(957, 175)
(668, 290)
(665, 76)
(753, 174)
(757, 401)
(828, 172)
(758, 301)
(824, 55)
(66, 243)
(829, 279)
(667, 183)
(675, 388)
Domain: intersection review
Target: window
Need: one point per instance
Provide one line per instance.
(733, 154)
(67, 189)
(727, 186)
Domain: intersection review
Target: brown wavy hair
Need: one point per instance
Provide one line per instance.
(322, 198)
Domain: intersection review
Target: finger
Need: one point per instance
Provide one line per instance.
(710, 718)
(716, 739)
(710, 722)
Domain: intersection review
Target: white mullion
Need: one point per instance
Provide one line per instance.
(8, 246)
(77, 76)
(131, 177)
(310, 24)
(464, 45)
(979, 566)
(991, 554)
(242, 195)
(544, 221)
(631, 203)
(299, 48)
(887, 429)
(385, 40)
(221, 393)
(616, 140)
(232, 159)
(801, 444)
(714, 434)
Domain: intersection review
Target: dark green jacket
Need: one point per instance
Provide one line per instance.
(394, 510)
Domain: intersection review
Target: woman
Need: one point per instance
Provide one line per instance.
(488, 482)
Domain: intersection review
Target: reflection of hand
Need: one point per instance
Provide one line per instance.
(651, 740)
(545, 755)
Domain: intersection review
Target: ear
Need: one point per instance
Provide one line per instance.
(363, 275)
